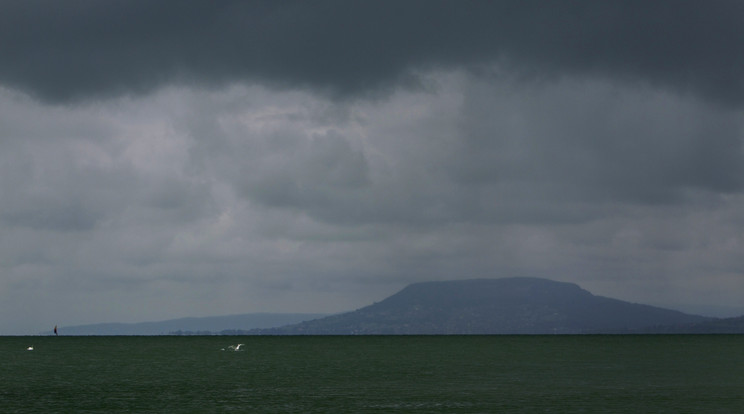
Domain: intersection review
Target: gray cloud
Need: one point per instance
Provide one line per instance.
(194, 202)
(593, 140)
(82, 49)
(232, 157)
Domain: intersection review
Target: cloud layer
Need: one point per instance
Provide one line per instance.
(81, 49)
(233, 157)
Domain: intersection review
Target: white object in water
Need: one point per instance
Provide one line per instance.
(235, 348)
(30, 348)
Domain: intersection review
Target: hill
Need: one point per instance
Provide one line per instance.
(717, 326)
(188, 326)
(493, 306)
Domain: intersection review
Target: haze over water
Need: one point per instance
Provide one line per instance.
(374, 374)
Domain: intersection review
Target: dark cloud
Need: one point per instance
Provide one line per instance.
(592, 141)
(478, 151)
(80, 49)
(229, 157)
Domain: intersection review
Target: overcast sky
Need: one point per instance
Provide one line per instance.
(193, 158)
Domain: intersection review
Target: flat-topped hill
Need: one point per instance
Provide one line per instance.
(494, 306)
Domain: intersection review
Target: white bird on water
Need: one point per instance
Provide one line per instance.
(30, 348)
(235, 348)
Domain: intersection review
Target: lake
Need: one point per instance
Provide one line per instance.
(374, 374)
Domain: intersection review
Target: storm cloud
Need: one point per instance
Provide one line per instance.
(81, 49)
(161, 160)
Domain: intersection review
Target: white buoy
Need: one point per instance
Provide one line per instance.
(30, 348)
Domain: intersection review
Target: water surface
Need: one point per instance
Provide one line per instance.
(375, 374)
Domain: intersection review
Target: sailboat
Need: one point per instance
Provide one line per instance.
(55, 330)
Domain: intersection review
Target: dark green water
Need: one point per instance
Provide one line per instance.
(375, 374)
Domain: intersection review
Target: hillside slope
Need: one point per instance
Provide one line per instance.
(493, 306)
(204, 325)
